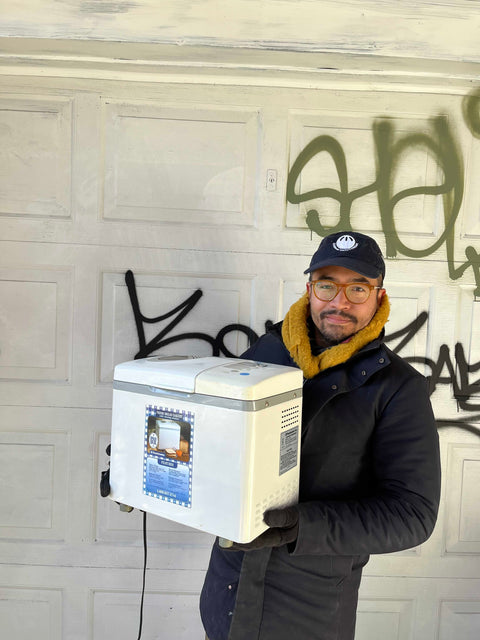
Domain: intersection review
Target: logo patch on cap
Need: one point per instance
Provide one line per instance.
(345, 243)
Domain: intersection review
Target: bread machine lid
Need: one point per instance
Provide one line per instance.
(213, 376)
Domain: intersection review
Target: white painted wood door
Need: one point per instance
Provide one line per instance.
(184, 183)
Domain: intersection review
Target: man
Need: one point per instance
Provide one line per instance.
(369, 469)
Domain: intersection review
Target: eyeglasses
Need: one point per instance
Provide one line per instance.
(355, 292)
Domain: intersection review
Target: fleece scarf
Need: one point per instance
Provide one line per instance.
(296, 338)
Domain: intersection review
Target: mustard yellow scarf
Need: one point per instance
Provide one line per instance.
(296, 339)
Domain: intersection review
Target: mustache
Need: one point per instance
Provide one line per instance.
(342, 314)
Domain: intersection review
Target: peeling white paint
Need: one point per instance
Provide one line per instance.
(423, 29)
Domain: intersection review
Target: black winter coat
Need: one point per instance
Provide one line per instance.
(369, 483)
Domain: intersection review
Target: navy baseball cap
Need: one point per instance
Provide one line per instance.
(351, 250)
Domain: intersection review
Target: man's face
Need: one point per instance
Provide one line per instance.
(339, 318)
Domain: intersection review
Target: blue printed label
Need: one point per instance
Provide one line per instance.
(168, 455)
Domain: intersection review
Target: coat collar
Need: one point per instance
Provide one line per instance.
(296, 339)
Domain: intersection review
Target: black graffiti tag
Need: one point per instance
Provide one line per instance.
(162, 339)
(443, 370)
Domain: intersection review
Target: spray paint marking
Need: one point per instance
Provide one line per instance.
(161, 340)
(389, 149)
(471, 112)
(457, 371)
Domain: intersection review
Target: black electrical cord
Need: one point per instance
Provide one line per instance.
(104, 492)
(144, 572)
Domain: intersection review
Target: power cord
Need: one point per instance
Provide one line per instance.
(104, 492)
(144, 572)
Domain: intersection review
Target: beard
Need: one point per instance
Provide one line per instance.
(331, 335)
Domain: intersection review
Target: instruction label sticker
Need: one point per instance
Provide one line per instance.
(168, 455)
(288, 450)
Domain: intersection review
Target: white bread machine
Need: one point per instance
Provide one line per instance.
(210, 442)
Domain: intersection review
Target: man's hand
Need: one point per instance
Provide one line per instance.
(283, 525)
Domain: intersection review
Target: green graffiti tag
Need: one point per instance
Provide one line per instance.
(471, 112)
(389, 149)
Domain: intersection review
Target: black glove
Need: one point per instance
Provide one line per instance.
(283, 525)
